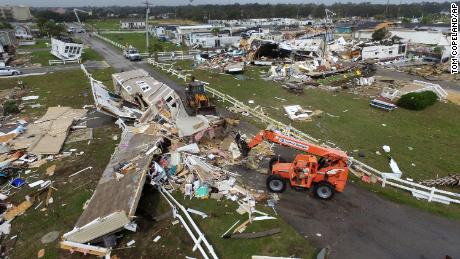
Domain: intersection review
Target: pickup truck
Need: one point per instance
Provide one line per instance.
(132, 54)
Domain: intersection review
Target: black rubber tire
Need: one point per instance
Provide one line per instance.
(15, 73)
(323, 191)
(275, 160)
(276, 180)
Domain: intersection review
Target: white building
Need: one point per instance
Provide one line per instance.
(66, 48)
(421, 37)
(428, 37)
(183, 32)
(130, 24)
(208, 40)
(383, 52)
(157, 31)
(18, 13)
(263, 22)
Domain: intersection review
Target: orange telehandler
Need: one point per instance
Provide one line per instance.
(326, 175)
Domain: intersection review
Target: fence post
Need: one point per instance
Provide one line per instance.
(384, 181)
(431, 194)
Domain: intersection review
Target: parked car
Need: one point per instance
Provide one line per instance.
(71, 30)
(8, 71)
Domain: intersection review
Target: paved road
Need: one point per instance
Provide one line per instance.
(447, 85)
(356, 223)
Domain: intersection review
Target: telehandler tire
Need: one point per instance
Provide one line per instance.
(276, 184)
(323, 190)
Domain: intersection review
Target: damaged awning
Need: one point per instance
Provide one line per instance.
(108, 104)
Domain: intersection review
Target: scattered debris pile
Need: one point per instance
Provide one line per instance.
(227, 61)
(168, 150)
(296, 112)
(452, 180)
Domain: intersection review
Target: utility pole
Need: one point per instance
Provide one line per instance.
(386, 9)
(147, 12)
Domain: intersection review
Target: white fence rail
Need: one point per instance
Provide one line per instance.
(162, 56)
(145, 55)
(417, 190)
(172, 58)
(60, 61)
(179, 52)
(198, 237)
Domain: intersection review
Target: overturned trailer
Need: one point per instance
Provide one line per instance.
(157, 100)
(66, 48)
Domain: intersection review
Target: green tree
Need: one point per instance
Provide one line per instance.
(379, 34)
(215, 31)
(405, 20)
(426, 20)
(56, 29)
(155, 47)
(41, 26)
(5, 25)
(437, 50)
(50, 28)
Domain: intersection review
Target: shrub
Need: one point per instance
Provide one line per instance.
(10, 107)
(379, 34)
(417, 101)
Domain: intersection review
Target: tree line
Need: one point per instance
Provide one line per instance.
(247, 11)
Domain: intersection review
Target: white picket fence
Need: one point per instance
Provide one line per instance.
(419, 191)
(168, 68)
(116, 44)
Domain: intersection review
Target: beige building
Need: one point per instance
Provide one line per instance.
(18, 13)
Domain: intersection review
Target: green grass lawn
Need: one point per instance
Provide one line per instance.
(175, 242)
(90, 54)
(424, 143)
(105, 24)
(137, 40)
(222, 215)
(104, 75)
(349, 121)
(41, 43)
(70, 88)
(69, 198)
(66, 88)
(41, 57)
